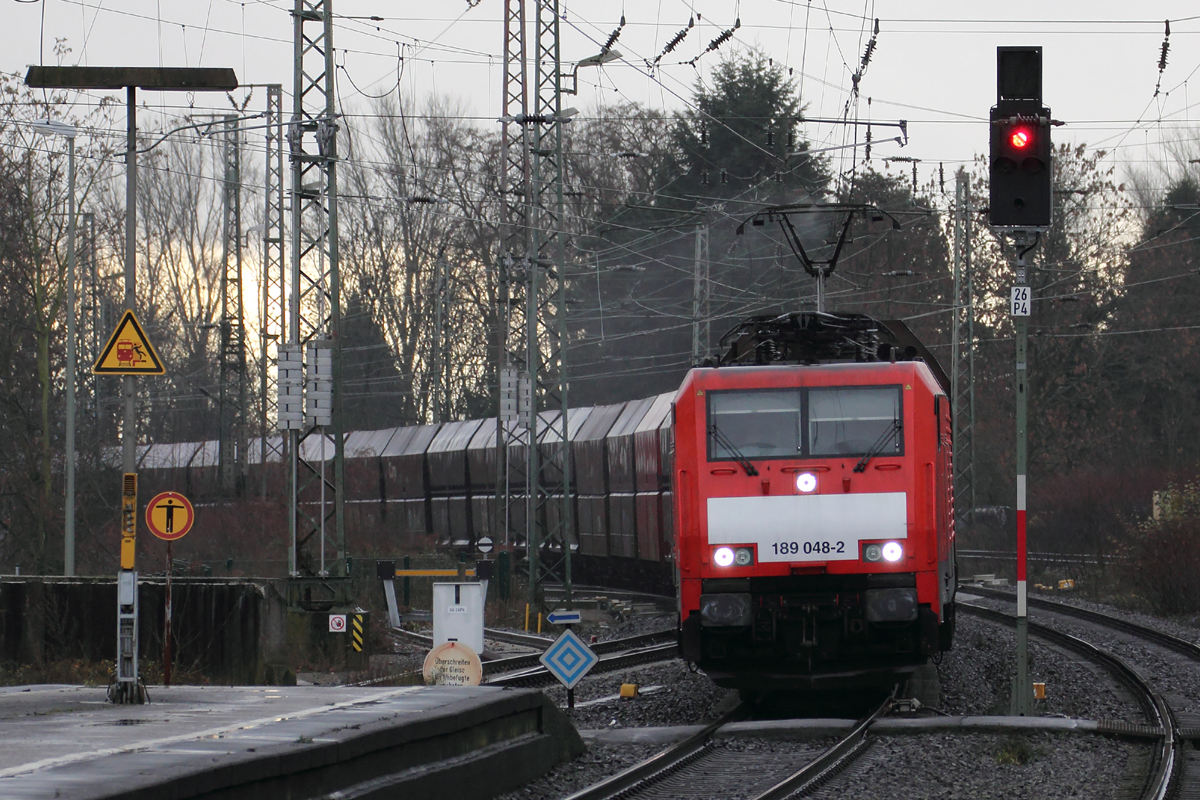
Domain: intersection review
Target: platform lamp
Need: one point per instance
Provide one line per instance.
(127, 687)
(54, 127)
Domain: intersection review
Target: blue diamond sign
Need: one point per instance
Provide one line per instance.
(569, 659)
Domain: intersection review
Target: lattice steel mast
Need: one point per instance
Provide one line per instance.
(273, 284)
(542, 424)
(232, 441)
(962, 356)
(514, 231)
(314, 311)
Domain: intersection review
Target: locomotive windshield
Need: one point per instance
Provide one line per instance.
(791, 423)
(849, 420)
(760, 424)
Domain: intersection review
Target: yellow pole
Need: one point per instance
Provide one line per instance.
(527, 617)
(539, 622)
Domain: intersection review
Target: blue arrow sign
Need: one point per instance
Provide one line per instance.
(569, 659)
(561, 617)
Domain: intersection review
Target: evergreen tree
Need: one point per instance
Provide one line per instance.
(740, 135)
(372, 386)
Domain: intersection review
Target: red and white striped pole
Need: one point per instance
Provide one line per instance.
(1021, 546)
(1022, 302)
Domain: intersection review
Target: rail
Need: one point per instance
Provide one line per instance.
(645, 776)
(1165, 764)
(827, 765)
(533, 674)
(539, 675)
(1181, 646)
(668, 762)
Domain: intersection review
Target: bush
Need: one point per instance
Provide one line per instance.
(1165, 556)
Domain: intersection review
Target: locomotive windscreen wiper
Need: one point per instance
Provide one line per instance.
(884, 439)
(723, 440)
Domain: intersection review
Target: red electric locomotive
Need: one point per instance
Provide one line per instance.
(814, 505)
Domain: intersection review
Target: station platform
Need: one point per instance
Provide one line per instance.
(262, 741)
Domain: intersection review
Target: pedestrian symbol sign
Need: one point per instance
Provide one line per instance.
(169, 516)
(569, 659)
(128, 351)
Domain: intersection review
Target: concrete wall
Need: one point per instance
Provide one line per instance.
(229, 630)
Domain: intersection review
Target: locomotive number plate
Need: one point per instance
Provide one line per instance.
(825, 549)
(807, 527)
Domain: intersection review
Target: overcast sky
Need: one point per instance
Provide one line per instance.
(933, 64)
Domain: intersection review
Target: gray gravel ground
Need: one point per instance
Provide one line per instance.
(751, 765)
(976, 677)
(680, 697)
(1173, 675)
(975, 680)
(942, 766)
(975, 767)
(1184, 627)
(612, 627)
(599, 762)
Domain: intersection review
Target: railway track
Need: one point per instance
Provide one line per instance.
(631, 655)
(509, 637)
(526, 671)
(695, 768)
(1164, 777)
(1152, 635)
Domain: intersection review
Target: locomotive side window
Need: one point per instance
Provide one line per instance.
(852, 420)
(759, 424)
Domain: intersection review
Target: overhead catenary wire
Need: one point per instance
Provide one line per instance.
(367, 198)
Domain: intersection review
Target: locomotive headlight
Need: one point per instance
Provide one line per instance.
(893, 551)
(873, 552)
(806, 482)
(726, 610)
(743, 557)
(723, 556)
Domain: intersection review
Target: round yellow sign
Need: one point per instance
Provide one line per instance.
(452, 664)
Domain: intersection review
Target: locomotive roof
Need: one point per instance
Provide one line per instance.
(784, 375)
(812, 338)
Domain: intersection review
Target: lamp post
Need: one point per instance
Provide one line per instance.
(53, 127)
(127, 688)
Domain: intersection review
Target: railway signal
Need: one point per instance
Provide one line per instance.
(1022, 172)
(1021, 154)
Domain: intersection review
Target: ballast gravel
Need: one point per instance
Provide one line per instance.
(731, 769)
(599, 762)
(984, 766)
(672, 694)
(1184, 627)
(1172, 674)
(976, 677)
(914, 767)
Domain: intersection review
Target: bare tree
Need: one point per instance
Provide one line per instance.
(33, 172)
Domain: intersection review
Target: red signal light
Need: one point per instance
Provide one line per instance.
(1020, 138)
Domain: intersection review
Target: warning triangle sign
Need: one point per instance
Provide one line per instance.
(128, 351)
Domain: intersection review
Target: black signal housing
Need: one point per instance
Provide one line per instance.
(1021, 164)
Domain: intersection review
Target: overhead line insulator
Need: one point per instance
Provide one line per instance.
(612, 37)
(725, 36)
(675, 40)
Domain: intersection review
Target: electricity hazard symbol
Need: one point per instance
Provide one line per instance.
(169, 516)
(128, 351)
